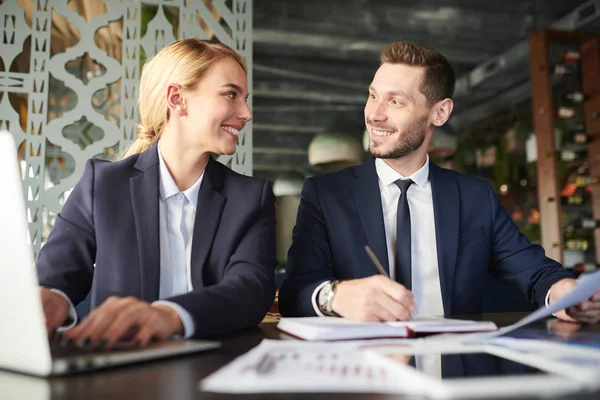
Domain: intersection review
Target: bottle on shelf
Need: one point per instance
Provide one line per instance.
(578, 137)
(576, 244)
(584, 180)
(574, 97)
(562, 69)
(570, 155)
(574, 200)
(584, 223)
(569, 56)
(566, 112)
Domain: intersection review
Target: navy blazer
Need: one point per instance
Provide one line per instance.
(111, 219)
(341, 212)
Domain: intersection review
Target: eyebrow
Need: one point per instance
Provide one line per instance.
(396, 93)
(236, 88)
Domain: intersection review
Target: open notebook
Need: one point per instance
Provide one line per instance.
(333, 328)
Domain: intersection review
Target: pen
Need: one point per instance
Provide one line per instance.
(373, 258)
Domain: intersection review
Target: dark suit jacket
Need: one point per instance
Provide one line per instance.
(112, 219)
(341, 212)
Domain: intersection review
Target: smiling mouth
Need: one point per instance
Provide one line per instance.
(232, 130)
(379, 132)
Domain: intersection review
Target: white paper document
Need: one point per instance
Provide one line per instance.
(277, 366)
(582, 363)
(587, 285)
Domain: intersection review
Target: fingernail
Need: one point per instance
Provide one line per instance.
(66, 342)
(84, 344)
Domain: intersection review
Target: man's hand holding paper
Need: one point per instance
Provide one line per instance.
(587, 311)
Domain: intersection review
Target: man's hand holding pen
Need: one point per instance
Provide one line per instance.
(376, 298)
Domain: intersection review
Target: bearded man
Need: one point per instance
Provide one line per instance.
(437, 233)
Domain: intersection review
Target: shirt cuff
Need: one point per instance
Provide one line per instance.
(314, 299)
(72, 316)
(187, 321)
(548, 299)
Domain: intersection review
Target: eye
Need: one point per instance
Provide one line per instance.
(372, 96)
(396, 102)
(231, 95)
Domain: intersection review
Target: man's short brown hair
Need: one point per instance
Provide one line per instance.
(438, 80)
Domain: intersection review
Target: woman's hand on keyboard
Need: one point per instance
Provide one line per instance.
(125, 318)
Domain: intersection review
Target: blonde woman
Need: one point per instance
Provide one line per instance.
(170, 242)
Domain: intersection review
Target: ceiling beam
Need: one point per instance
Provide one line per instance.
(488, 108)
(307, 76)
(279, 151)
(325, 97)
(344, 45)
(286, 128)
(308, 108)
(281, 139)
(285, 161)
(273, 167)
(516, 61)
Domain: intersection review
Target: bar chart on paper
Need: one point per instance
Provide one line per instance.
(274, 366)
(330, 365)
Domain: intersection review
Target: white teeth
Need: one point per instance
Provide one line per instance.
(231, 130)
(381, 133)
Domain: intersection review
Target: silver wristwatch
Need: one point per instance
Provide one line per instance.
(325, 298)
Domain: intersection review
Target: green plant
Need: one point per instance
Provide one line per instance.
(523, 130)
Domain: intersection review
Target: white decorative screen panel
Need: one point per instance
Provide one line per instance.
(69, 74)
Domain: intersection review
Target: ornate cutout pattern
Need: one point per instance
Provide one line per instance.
(55, 149)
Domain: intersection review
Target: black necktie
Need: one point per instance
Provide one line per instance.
(403, 252)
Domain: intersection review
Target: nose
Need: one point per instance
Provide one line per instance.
(375, 111)
(245, 114)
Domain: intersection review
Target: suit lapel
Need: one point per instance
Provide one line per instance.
(365, 189)
(144, 197)
(208, 214)
(444, 189)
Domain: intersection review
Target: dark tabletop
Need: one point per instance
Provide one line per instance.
(177, 378)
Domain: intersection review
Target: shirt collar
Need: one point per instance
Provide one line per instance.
(387, 175)
(168, 187)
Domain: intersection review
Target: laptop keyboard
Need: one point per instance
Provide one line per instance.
(60, 351)
(72, 358)
(68, 359)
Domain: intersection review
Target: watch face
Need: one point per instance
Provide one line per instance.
(324, 295)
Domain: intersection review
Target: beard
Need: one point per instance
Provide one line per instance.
(408, 141)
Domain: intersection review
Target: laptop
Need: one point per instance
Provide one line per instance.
(24, 343)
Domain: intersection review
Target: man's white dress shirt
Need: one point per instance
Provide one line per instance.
(426, 287)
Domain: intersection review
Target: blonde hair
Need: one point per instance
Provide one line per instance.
(438, 81)
(182, 62)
